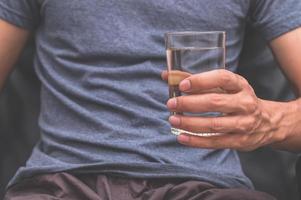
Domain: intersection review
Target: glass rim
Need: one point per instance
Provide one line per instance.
(194, 32)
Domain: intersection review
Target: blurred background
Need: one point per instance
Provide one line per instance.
(271, 171)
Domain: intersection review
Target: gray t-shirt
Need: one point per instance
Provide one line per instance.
(102, 100)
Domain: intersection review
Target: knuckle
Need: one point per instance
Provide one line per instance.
(249, 104)
(244, 140)
(250, 90)
(225, 76)
(243, 81)
(279, 137)
(243, 143)
(216, 100)
(249, 125)
(245, 125)
(185, 125)
(237, 145)
(239, 125)
(215, 125)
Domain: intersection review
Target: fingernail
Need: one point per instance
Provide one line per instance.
(183, 139)
(172, 103)
(175, 121)
(185, 85)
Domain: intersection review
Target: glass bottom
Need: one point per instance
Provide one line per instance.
(177, 131)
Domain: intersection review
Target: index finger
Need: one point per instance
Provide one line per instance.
(221, 78)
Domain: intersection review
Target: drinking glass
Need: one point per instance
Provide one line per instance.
(191, 53)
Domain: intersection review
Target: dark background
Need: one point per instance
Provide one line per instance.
(271, 171)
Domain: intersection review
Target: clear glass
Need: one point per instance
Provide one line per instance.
(190, 53)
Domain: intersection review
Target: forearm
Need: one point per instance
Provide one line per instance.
(287, 50)
(12, 40)
(8, 57)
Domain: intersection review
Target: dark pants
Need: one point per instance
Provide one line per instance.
(102, 187)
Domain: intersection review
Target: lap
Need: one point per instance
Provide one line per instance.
(65, 186)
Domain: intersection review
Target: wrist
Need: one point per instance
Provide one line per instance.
(279, 117)
(287, 124)
(292, 118)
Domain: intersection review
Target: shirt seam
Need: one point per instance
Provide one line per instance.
(276, 28)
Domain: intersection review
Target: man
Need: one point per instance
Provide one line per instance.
(104, 129)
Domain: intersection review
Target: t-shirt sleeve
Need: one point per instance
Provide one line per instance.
(275, 17)
(21, 13)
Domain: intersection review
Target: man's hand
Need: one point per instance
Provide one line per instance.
(247, 121)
